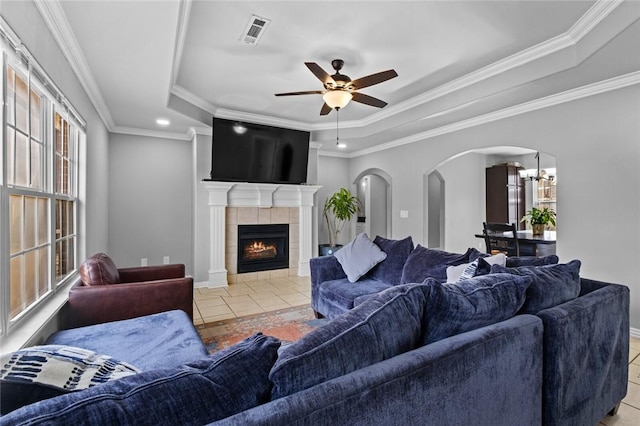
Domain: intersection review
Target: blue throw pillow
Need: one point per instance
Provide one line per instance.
(426, 263)
(42, 372)
(454, 308)
(382, 327)
(551, 285)
(359, 256)
(227, 382)
(390, 270)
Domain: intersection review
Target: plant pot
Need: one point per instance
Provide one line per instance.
(538, 229)
(328, 250)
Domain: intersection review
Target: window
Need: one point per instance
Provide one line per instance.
(38, 186)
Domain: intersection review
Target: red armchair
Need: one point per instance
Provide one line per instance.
(105, 293)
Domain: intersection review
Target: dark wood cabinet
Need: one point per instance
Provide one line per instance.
(504, 195)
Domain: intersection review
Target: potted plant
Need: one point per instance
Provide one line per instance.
(539, 218)
(341, 206)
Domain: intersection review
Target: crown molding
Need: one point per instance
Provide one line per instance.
(592, 17)
(593, 89)
(55, 19)
(151, 133)
(596, 14)
(184, 13)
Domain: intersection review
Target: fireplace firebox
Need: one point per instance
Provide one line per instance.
(263, 247)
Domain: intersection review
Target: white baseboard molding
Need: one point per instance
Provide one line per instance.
(207, 284)
(635, 332)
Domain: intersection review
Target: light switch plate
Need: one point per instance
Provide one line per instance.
(404, 214)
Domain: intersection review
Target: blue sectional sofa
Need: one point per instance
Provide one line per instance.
(411, 353)
(586, 322)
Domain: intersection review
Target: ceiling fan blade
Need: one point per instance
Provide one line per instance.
(309, 92)
(326, 109)
(320, 73)
(372, 79)
(368, 100)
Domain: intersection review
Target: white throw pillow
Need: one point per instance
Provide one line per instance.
(359, 256)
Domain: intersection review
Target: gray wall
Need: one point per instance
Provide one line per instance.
(464, 201)
(333, 174)
(597, 155)
(151, 207)
(25, 20)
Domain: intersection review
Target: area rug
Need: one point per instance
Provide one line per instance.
(288, 325)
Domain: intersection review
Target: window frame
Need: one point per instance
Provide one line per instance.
(52, 103)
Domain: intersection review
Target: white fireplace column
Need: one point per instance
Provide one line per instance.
(229, 194)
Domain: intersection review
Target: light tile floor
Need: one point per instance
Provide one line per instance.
(629, 412)
(248, 298)
(236, 300)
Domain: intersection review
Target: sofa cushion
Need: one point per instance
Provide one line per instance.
(99, 269)
(426, 263)
(41, 372)
(390, 269)
(551, 285)
(453, 308)
(359, 256)
(337, 296)
(514, 261)
(383, 326)
(163, 340)
(203, 391)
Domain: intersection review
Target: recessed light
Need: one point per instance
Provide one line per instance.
(162, 122)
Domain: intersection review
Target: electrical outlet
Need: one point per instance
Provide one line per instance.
(166, 260)
(143, 261)
(404, 214)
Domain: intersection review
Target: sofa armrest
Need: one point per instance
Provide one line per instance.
(586, 350)
(90, 305)
(151, 273)
(325, 268)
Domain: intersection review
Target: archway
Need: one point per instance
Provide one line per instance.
(455, 189)
(373, 188)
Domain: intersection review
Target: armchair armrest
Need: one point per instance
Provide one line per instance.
(151, 273)
(90, 305)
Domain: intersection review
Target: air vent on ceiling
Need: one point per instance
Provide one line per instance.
(254, 30)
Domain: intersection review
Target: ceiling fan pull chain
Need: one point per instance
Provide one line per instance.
(337, 126)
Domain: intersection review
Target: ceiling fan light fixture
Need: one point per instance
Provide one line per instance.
(337, 98)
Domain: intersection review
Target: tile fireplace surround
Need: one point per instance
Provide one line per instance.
(231, 204)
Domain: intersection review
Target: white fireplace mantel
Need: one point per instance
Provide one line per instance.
(263, 195)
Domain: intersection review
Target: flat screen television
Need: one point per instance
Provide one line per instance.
(247, 152)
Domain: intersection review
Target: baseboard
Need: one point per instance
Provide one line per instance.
(634, 332)
(207, 284)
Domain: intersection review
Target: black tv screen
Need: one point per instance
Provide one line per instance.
(247, 152)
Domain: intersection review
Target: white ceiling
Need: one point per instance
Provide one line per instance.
(184, 60)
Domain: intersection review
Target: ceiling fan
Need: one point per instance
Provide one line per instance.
(340, 89)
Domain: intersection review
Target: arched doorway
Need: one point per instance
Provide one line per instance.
(374, 191)
(454, 193)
